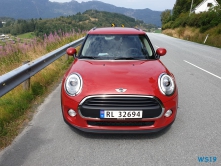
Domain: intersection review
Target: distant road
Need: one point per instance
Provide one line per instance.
(48, 141)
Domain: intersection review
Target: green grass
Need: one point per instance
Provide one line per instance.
(29, 35)
(158, 31)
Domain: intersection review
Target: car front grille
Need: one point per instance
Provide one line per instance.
(90, 107)
(119, 123)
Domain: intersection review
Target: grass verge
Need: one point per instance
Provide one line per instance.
(16, 107)
(193, 34)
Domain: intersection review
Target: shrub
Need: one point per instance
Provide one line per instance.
(204, 21)
(37, 89)
(218, 31)
(205, 28)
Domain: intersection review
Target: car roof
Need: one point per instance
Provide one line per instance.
(117, 30)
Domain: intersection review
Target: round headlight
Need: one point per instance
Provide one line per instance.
(73, 84)
(166, 84)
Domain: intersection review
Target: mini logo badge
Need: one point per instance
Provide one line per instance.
(121, 90)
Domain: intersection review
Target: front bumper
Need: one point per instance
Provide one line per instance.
(126, 131)
(97, 125)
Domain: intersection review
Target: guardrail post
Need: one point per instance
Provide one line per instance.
(26, 84)
(66, 57)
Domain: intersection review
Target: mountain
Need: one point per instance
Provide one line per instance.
(27, 9)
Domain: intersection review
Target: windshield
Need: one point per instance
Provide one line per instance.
(116, 47)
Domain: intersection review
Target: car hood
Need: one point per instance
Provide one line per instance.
(104, 77)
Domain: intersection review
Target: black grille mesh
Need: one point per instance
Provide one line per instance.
(120, 102)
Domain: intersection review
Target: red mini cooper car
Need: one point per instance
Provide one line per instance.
(117, 84)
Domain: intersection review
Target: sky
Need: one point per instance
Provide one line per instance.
(156, 5)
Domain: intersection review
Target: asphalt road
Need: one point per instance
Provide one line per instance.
(48, 141)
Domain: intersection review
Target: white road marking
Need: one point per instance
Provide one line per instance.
(157, 46)
(203, 69)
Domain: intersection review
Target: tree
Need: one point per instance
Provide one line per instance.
(165, 16)
(1, 25)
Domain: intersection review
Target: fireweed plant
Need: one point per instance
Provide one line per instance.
(15, 106)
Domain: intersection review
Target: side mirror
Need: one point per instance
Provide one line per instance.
(161, 51)
(71, 51)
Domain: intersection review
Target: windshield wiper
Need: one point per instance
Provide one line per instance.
(87, 57)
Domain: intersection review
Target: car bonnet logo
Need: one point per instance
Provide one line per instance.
(121, 90)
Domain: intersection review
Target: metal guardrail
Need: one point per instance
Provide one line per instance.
(15, 77)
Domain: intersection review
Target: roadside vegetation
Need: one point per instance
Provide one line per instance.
(16, 106)
(182, 23)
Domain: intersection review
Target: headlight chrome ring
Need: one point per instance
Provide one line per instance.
(73, 84)
(166, 84)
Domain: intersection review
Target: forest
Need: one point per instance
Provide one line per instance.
(78, 22)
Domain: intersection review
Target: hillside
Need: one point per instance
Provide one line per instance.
(26, 9)
(78, 22)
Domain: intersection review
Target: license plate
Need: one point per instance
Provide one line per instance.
(120, 114)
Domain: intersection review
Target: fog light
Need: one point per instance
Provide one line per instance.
(72, 113)
(168, 113)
